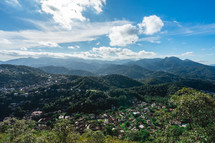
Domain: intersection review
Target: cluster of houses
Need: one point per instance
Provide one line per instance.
(134, 119)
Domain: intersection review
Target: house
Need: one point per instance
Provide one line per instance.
(146, 109)
(136, 113)
(141, 126)
(184, 125)
(61, 117)
(153, 105)
(106, 121)
(36, 113)
(67, 117)
(92, 116)
(149, 122)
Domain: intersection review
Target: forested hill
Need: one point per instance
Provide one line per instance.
(182, 68)
(19, 76)
(126, 103)
(66, 71)
(30, 88)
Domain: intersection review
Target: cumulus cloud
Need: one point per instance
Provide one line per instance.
(151, 25)
(121, 53)
(65, 12)
(104, 53)
(128, 34)
(123, 35)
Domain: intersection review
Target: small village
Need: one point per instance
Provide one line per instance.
(137, 118)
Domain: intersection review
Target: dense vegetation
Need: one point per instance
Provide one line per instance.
(116, 103)
(84, 94)
(193, 108)
(19, 76)
(21, 131)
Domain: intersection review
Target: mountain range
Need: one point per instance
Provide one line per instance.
(169, 67)
(52, 88)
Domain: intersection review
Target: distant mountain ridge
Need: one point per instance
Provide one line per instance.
(63, 70)
(71, 63)
(139, 69)
(183, 68)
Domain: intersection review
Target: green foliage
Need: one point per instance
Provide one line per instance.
(19, 76)
(16, 130)
(169, 135)
(140, 136)
(195, 108)
(109, 130)
(21, 131)
(63, 128)
(73, 137)
(95, 137)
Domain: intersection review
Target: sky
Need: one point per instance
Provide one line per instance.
(108, 29)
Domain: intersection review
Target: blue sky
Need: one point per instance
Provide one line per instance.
(108, 29)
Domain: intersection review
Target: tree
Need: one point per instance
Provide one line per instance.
(195, 108)
(94, 136)
(49, 137)
(73, 137)
(17, 128)
(62, 128)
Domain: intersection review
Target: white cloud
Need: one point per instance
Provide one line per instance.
(121, 53)
(177, 23)
(24, 49)
(52, 35)
(97, 44)
(102, 53)
(151, 39)
(190, 30)
(65, 12)
(128, 34)
(74, 47)
(71, 47)
(4, 41)
(187, 54)
(183, 55)
(49, 44)
(14, 3)
(77, 46)
(151, 24)
(123, 35)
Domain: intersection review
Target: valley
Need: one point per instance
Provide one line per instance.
(117, 99)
